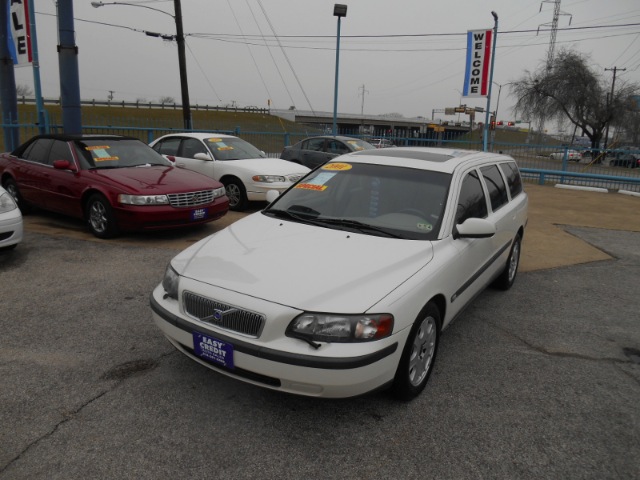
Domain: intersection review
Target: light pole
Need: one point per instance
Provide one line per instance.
(338, 11)
(493, 62)
(182, 62)
(495, 113)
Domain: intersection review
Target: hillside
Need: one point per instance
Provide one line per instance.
(149, 123)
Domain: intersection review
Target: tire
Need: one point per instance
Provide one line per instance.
(508, 276)
(236, 193)
(11, 187)
(99, 216)
(418, 355)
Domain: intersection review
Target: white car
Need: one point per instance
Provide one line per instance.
(343, 284)
(572, 155)
(245, 171)
(11, 229)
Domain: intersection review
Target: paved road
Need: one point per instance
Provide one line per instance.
(538, 382)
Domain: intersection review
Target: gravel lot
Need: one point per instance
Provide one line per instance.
(540, 382)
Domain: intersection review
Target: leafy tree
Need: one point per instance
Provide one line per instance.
(570, 89)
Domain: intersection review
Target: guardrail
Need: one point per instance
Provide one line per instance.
(139, 104)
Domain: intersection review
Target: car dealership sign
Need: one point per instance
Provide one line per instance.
(476, 78)
(20, 36)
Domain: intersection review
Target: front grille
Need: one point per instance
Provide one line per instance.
(191, 199)
(222, 315)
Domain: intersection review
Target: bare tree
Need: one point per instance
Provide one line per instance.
(167, 100)
(570, 89)
(24, 91)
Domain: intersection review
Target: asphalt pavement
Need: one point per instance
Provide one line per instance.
(542, 381)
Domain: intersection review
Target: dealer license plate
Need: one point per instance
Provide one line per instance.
(199, 214)
(213, 350)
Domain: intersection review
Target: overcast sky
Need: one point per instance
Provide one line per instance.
(402, 56)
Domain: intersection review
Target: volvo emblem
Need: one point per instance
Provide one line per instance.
(218, 315)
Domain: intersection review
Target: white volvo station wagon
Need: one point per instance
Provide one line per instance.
(344, 283)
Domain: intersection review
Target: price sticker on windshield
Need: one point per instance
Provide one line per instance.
(339, 167)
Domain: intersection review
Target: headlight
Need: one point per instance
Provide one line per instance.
(143, 199)
(268, 178)
(219, 192)
(170, 282)
(7, 203)
(324, 327)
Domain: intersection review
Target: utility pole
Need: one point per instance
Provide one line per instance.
(610, 99)
(362, 89)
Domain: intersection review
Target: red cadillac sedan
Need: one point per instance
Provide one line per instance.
(115, 183)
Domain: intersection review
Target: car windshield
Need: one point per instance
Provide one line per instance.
(232, 149)
(117, 153)
(379, 200)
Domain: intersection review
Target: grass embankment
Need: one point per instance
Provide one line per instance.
(137, 122)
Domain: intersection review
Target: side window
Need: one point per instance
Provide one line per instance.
(335, 146)
(60, 151)
(471, 202)
(168, 147)
(314, 144)
(514, 180)
(38, 151)
(495, 185)
(191, 146)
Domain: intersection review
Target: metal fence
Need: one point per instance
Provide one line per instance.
(543, 164)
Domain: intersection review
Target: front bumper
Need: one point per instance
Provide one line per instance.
(311, 374)
(257, 192)
(132, 217)
(11, 229)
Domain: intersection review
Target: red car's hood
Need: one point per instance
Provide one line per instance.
(155, 180)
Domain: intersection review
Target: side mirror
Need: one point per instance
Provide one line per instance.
(64, 165)
(203, 156)
(474, 228)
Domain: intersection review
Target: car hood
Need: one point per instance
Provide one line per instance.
(156, 179)
(303, 266)
(268, 166)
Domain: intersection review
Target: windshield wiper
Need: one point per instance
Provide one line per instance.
(295, 212)
(355, 224)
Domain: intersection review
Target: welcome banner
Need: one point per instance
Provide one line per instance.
(20, 35)
(476, 77)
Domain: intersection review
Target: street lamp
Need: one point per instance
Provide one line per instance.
(182, 62)
(338, 11)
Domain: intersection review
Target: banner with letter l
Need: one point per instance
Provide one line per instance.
(476, 77)
(20, 35)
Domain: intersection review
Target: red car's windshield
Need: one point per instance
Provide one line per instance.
(117, 153)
